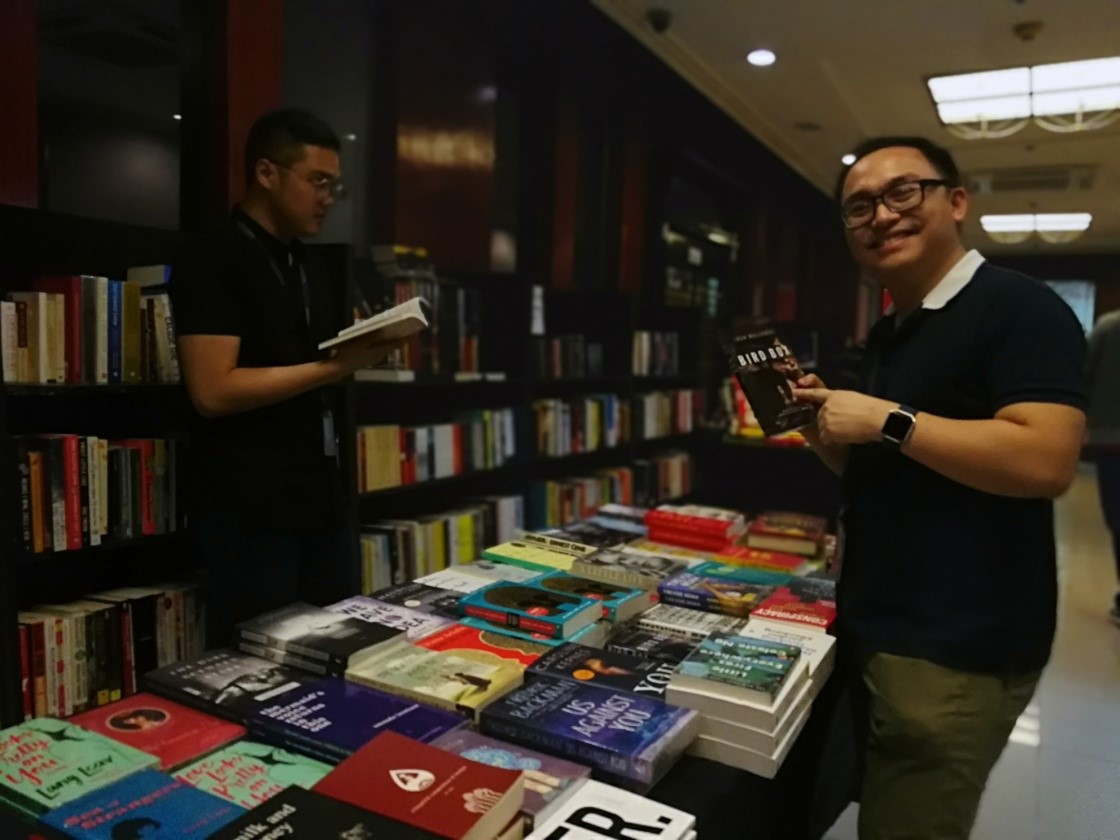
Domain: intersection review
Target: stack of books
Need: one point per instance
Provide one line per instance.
(701, 527)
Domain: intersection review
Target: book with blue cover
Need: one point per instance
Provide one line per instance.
(711, 594)
(330, 720)
(531, 607)
(626, 739)
(619, 602)
(147, 804)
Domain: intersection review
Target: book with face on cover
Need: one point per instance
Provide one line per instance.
(226, 683)
(167, 730)
(429, 788)
(414, 623)
(146, 804)
(549, 781)
(249, 773)
(46, 763)
(598, 811)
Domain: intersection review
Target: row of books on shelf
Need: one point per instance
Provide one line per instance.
(563, 501)
(655, 353)
(568, 356)
(76, 491)
(580, 424)
(533, 662)
(87, 330)
(389, 455)
(663, 413)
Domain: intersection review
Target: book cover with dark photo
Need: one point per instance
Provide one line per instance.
(420, 597)
(607, 669)
(768, 371)
(646, 644)
(532, 607)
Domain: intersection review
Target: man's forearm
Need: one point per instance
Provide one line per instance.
(245, 389)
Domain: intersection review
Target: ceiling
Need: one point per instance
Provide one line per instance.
(857, 69)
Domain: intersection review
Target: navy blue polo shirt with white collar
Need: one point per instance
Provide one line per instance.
(932, 568)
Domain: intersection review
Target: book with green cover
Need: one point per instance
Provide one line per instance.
(249, 773)
(46, 763)
(751, 665)
(464, 681)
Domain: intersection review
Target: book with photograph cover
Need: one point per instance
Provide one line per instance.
(767, 371)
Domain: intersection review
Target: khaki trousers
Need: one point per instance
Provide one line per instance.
(934, 735)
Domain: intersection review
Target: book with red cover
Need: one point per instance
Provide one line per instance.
(71, 290)
(801, 602)
(697, 518)
(778, 561)
(173, 733)
(146, 448)
(461, 637)
(428, 788)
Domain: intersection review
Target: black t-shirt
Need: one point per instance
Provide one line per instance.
(932, 568)
(268, 465)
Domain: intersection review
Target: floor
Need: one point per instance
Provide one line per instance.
(1059, 778)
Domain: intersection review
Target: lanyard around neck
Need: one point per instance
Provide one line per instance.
(276, 270)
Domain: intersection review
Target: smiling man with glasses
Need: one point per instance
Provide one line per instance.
(967, 424)
(251, 305)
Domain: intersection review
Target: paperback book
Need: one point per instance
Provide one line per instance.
(817, 649)
(598, 811)
(173, 733)
(593, 634)
(250, 773)
(549, 781)
(462, 637)
(531, 607)
(414, 623)
(761, 764)
(619, 602)
(795, 533)
(539, 553)
(146, 804)
(752, 669)
(767, 372)
(711, 594)
(645, 644)
(334, 717)
(310, 635)
(806, 603)
(428, 788)
(754, 575)
(46, 763)
(620, 568)
(607, 669)
(625, 738)
(599, 532)
(421, 598)
(463, 682)
(398, 322)
(227, 683)
(686, 624)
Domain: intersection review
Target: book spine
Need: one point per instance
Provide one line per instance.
(61, 659)
(57, 460)
(72, 508)
(102, 352)
(84, 488)
(148, 488)
(128, 651)
(81, 662)
(96, 491)
(38, 647)
(116, 647)
(25, 684)
(24, 364)
(9, 341)
(145, 340)
(98, 638)
(592, 755)
(115, 337)
(23, 470)
(130, 334)
(74, 331)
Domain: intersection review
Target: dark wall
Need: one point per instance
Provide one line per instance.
(1101, 269)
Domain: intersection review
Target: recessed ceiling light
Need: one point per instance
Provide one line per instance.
(177, 116)
(848, 159)
(761, 58)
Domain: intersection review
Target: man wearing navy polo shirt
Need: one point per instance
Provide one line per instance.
(967, 424)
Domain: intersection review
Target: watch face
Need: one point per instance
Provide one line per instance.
(897, 426)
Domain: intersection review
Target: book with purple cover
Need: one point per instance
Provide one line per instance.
(333, 718)
(626, 739)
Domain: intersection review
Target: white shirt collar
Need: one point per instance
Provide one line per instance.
(949, 286)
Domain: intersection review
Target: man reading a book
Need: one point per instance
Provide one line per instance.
(251, 305)
(966, 425)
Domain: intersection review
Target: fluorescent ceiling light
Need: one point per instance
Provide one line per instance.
(1031, 222)
(974, 110)
(761, 58)
(848, 159)
(1070, 75)
(1075, 101)
(992, 83)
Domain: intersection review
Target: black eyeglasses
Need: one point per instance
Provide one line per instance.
(859, 210)
(322, 184)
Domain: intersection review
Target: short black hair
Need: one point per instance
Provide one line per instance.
(939, 158)
(280, 136)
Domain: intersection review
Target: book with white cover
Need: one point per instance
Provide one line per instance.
(457, 579)
(818, 649)
(399, 322)
(690, 625)
(384, 374)
(598, 811)
(759, 740)
(713, 700)
(761, 764)
(416, 624)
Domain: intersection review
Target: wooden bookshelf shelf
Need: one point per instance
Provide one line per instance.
(449, 481)
(155, 541)
(584, 384)
(149, 390)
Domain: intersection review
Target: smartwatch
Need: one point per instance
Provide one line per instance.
(899, 426)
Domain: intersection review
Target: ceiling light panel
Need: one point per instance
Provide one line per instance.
(1077, 101)
(1010, 222)
(1097, 72)
(986, 85)
(1063, 221)
(975, 110)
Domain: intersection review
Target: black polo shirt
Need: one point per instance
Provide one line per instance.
(268, 465)
(934, 569)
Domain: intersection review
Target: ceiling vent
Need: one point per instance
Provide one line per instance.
(1034, 179)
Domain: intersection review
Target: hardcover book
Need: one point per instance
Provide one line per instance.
(332, 718)
(249, 773)
(744, 668)
(607, 669)
(531, 607)
(767, 372)
(685, 624)
(619, 602)
(461, 637)
(172, 733)
(298, 814)
(227, 683)
(428, 788)
(599, 532)
(539, 553)
(804, 602)
(46, 763)
(796, 533)
(711, 594)
(462, 682)
(593, 634)
(623, 569)
(146, 804)
(598, 811)
(772, 561)
(549, 781)
(627, 739)
(314, 634)
(422, 598)
(414, 623)
(644, 644)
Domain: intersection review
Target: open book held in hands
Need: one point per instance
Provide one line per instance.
(399, 322)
